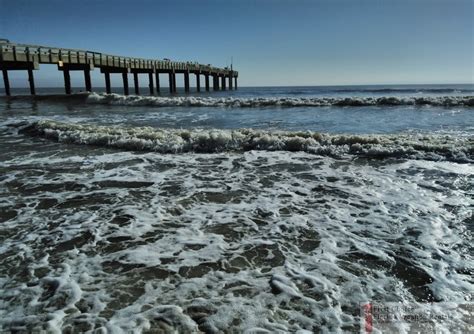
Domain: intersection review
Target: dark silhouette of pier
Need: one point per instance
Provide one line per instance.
(15, 57)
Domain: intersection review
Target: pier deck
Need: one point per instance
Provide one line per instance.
(15, 56)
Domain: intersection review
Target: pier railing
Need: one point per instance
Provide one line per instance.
(27, 57)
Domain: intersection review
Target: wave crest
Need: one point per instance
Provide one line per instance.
(409, 146)
(235, 102)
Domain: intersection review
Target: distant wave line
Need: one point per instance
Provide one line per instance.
(237, 102)
(253, 102)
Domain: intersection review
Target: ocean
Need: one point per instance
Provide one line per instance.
(260, 210)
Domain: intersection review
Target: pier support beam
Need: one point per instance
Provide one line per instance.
(206, 78)
(29, 66)
(31, 80)
(87, 79)
(215, 82)
(230, 82)
(174, 82)
(186, 81)
(67, 67)
(198, 82)
(157, 79)
(112, 69)
(125, 83)
(150, 83)
(107, 83)
(235, 82)
(136, 72)
(223, 82)
(135, 83)
(6, 82)
(170, 76)
(67, 81)
(172, 79)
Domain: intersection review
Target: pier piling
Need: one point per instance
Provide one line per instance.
(87, 79)
(135, 83)
(6, 82)
(150, 83)
(67, 67)
(186, 81)
(172, 79)
(107, 82)
(157, 79)
(223, 82)
(174, 82)
(31, 81)
(206, 79)
(67, 81)
(198, 82)
(125, 83)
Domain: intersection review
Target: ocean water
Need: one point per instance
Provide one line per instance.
(261, 210)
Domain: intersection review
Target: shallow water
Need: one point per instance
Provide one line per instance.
(146, 217)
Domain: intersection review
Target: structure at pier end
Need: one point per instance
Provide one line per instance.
(14, 57)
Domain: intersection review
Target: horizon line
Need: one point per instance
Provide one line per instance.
(271, 86)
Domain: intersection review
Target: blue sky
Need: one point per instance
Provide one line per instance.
(299, 42)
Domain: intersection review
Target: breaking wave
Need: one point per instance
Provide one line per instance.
(116, 99)
(436, 147)
(409, 90)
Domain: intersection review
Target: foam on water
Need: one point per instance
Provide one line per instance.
(415, 146)
(236, 102)
(255, 241)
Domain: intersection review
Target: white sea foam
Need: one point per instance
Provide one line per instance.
(245, 242)
(237, 102)
(408, 145)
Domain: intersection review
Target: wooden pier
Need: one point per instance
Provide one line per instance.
(15, 57)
